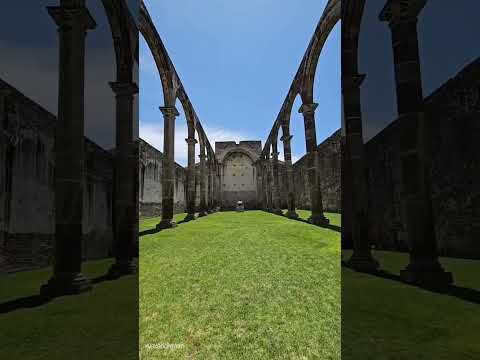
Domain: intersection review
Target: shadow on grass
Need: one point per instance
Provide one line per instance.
(462, 293)
(328, 226)
(39, 300)
(155, 230)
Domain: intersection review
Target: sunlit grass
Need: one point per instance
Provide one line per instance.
(249, 285)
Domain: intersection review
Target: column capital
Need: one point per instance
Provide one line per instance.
(286, 138)
(308, 108)
(169, 111)
(124, 88)
(67, 16)
(191, 141)
(398, 11)
(275, 154)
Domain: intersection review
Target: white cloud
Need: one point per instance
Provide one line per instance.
(153, 134)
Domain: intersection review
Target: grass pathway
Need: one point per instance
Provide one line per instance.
(246, 285)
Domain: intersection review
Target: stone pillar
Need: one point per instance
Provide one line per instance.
(317, 217)
(215, 186)
(268, 182)
(259, 184)
(168, 175)
(125, 189)
(276, 200)
(219, 186)
(191, 191)
(210, 184)
(424, 268)
(354, 173)
(346, 186)
(263, 183)
(212, 174)
(287, 154)
(203, 190)
(73, 20)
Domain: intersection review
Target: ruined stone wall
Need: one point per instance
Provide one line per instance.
(238, 173)
(329, 163)
(454, 115)
(150, 182)
(27, 162)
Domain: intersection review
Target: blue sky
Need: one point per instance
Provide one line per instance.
(237, 60)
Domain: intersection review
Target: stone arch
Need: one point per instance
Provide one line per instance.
(121, 27)
(239, 181)
(190, 115)
(162, 61)
(330, 17)
(237, 150)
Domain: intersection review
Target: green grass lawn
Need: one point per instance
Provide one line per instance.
(92, 325)
(151, 223)
(249, 285)
(386, 319)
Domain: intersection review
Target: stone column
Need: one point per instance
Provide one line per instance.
(210, 184)
(168, 175)
(276, 200)
(268, 182)
(424, 268)
(126, 191)
(354, 173)
(191, 191)
(4, 192)
(203, 190)
(215, 186)
(220, 186)
(347, 189)
(259, 184)
(287, 154)
(261, 168)
(73, 20)
(317, 217)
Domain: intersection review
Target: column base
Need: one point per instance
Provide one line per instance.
(65, 284)
(291, 214)
(190, 217)
(121, 268)
(319, 220)
(427, 276)
(202, 213)
(166, 224)
(363, 263)
(277, 211)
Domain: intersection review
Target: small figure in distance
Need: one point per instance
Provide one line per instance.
(240, 207)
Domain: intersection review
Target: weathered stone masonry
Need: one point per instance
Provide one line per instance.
(453, 113)
(329, 172)
(150, 182)
(27, 216)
